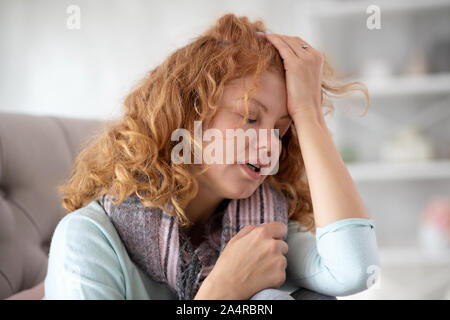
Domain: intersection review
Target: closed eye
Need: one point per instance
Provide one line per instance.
(252, 118)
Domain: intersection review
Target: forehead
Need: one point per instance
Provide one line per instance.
(271, 89)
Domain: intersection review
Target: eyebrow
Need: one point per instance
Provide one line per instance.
(262, 105)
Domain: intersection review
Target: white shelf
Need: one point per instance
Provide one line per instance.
(411, 256)
(380, 171)
(346, 9)
(401, 86)
(431, 84)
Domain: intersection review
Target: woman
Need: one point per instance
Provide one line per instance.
(194, 230)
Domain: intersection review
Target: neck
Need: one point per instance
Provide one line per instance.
(202, 207)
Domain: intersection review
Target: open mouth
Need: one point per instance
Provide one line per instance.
(254, 167)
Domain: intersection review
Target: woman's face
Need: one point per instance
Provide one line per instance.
(266, 110)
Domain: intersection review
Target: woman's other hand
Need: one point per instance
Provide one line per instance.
(253, 260)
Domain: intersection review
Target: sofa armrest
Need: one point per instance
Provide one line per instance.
(35, 293)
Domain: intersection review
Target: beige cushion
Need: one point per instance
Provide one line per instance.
(36, 154)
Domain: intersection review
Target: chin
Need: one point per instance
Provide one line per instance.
(239, 186)
(240, 193)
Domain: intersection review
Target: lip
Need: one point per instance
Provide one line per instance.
(252, 174)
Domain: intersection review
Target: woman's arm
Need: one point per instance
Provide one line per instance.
(341, 259)
(338, 260)
(82, 264)
(333, 192)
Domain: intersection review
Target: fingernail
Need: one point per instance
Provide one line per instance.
(259, 32)
(268, 32)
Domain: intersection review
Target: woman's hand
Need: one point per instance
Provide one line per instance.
(253, 260)
(303, 74)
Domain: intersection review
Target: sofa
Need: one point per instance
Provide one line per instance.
(36, 154)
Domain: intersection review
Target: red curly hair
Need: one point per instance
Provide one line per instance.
(132, 155)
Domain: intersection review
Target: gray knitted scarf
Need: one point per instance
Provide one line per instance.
(164, 252)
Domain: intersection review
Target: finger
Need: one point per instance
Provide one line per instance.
(297, 38)
(288, 43)
(276, 229)
(245, 230)
(283, 246)
(310, 49)
(286, 52)
(296, 44)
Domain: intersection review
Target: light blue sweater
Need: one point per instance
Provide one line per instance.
(88, 260)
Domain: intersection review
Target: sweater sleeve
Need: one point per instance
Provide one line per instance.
(341, 259)
(82, 263)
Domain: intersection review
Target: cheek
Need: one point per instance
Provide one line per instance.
(222, 177)
(219, 170)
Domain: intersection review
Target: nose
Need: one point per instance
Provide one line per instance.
(268, 140)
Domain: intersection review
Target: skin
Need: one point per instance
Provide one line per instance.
(229, 180)
(254, 258)
(266, 260)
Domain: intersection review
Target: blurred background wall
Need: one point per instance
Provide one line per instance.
(398, 153)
